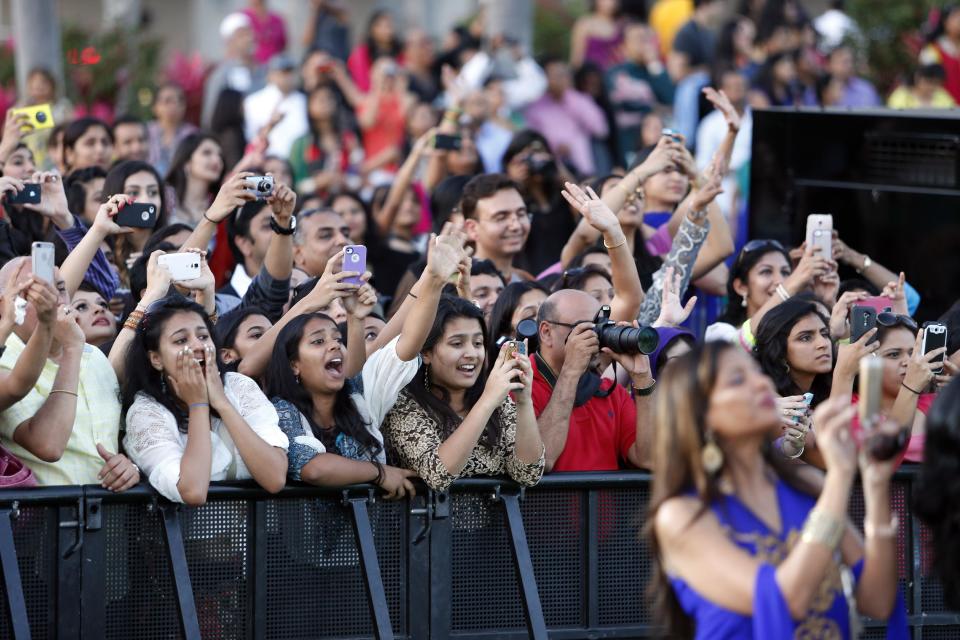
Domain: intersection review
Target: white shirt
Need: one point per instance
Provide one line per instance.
(156, 444)
(260, 106)
(240, 281)
(710, 133)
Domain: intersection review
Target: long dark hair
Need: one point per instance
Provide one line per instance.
(747, 259)
(771, 349)
(451, 308)
(373, 50)
(282, 383)
(76, 129)
(679, 436)
(936, 491)
(140, 374)
(502, 312)
(177, 175)
(75, 185)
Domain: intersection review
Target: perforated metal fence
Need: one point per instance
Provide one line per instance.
(564, 560)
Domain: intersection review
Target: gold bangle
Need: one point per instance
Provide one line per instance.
(822, 528)
(619, 244)
(884, 531)
(72, 393)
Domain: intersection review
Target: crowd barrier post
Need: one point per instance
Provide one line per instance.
(533, 609)
(16, 604)
(369, 563)
(173, 533)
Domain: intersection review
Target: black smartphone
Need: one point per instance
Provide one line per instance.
(29, 195)
(862, 319)
(448, 142)
(140, 215)
(935, 337)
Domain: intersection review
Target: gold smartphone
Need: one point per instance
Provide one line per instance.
(39, 116)
(870, 391)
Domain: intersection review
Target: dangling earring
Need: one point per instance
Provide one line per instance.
(163, 383)
(297, 377)
(786, 365)
(743, 302)
(711, 455)
(426, 378)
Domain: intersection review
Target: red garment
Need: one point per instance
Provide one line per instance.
(951, 65)
(222, 261)
(269, 33)
(914, 450)
(359, 64)
(389, 130)
(602, 431)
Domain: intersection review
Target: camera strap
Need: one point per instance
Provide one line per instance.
(588, 386)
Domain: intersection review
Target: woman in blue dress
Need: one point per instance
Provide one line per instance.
(746, 546)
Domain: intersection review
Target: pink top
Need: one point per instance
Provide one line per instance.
(568, 124)
(270, 34)
(914, 450)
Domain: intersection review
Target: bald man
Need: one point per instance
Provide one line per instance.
(66, 427)
(587, 423)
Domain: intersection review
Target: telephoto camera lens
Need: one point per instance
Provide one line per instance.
(627, 339)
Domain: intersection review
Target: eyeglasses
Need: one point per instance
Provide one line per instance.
(890, 320)
(764, 244)
(568, 325)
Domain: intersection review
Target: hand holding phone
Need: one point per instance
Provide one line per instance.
(42, 257)
(38, 116)
(934, 337)
(30, 194)
(355, 259)
(862, 319)
(139, 215)
(820, 233)
(181, 266)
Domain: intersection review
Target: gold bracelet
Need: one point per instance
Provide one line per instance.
(822, 528)
(72, 393)
(133, 320)
(884, 531)
(619, 244)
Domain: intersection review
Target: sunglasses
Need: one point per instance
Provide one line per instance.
(764, 245)
(889, 320)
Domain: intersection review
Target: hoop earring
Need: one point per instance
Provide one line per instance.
(711, 456)
(786, 365)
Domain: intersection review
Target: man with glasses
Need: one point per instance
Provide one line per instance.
(497, 222)
(587, 423)
(319, 235)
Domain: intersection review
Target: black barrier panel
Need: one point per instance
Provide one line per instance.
(139, 591)
(289, 566)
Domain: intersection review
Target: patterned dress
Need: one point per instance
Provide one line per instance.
(413, 439)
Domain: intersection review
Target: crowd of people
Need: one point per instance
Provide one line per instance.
(416, 261)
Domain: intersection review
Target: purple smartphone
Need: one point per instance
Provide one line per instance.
(355, 259)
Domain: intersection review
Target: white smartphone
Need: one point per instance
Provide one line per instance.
(820, 233)
(181, 266)
(41, 254)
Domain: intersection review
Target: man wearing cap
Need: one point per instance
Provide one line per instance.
(238, 70)
(279, 105)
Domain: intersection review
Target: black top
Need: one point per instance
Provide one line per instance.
(550, 229)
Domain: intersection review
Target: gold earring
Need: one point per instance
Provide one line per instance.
(711, 455)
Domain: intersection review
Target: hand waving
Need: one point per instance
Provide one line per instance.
(672, 312)
(591, 207)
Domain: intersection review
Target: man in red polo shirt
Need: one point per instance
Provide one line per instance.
(587, 424)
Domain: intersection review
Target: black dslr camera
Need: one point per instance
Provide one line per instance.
(620, 339)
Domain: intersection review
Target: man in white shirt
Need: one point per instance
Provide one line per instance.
(713, 129)
(280, 100)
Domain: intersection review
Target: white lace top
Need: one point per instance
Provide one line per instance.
(156, 445)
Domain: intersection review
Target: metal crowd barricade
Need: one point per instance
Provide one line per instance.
(490, 560)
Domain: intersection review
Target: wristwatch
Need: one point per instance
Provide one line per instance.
(283, 230)
(866, 264)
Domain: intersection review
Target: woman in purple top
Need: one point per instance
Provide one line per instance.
(747, 546)
(597, 36)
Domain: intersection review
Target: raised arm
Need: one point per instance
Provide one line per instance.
(158, 285)
(17, 383)
(46, 434)
(75, 266)
(401, 184)
(233, 193)
(628, 293)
